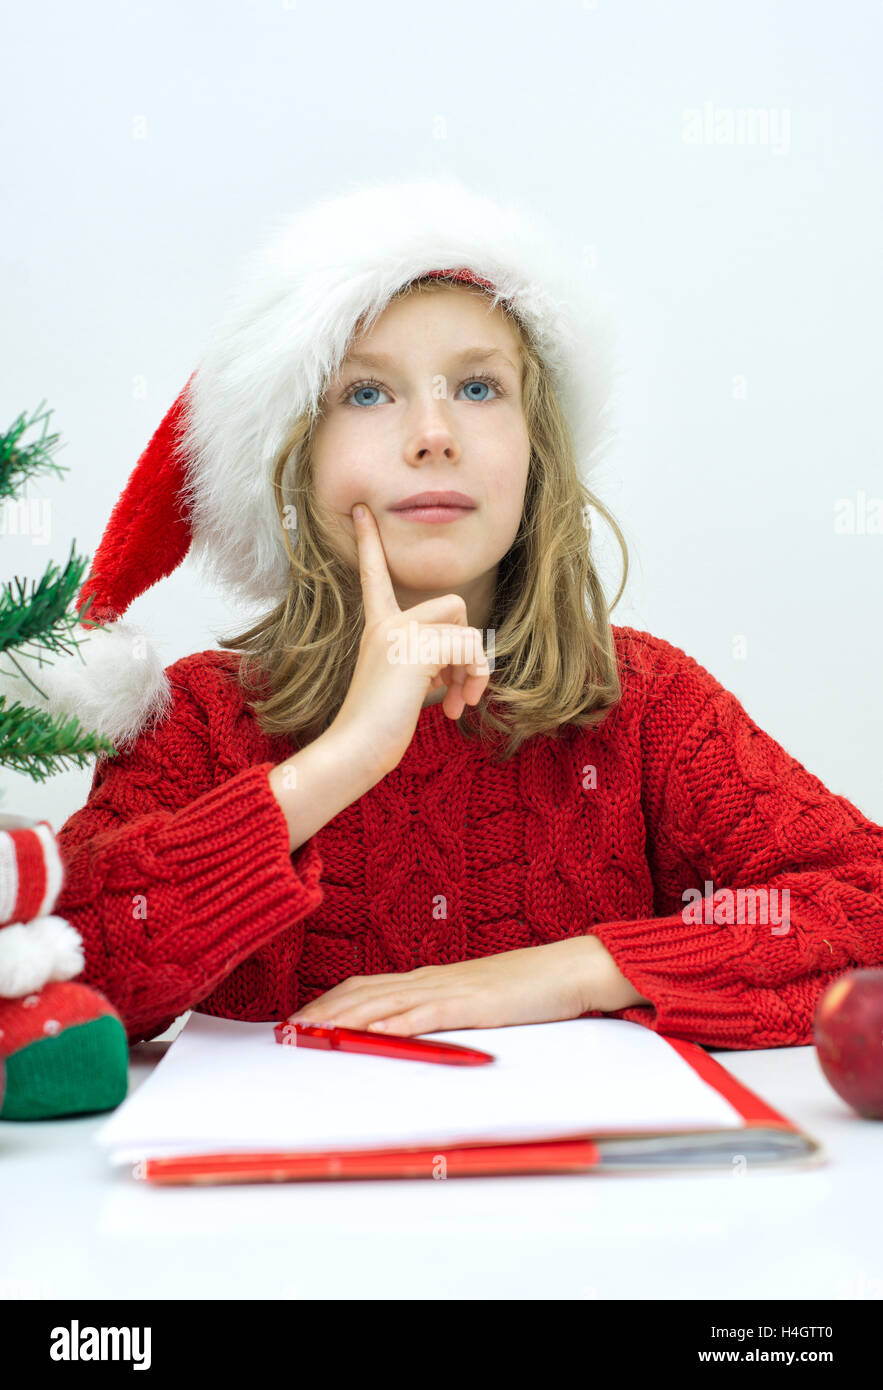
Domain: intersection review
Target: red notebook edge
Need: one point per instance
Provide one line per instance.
(568, 1154)
(754, 1110)
(466, 1160)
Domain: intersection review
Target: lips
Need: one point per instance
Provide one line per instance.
(453, 500)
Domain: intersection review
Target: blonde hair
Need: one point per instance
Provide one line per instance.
(554, 657)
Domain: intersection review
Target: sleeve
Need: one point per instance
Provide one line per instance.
(767, 885)
(173, 881)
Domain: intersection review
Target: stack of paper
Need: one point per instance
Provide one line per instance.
(228, 1088)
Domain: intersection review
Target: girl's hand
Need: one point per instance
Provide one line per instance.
(538, 984)
(403, 655)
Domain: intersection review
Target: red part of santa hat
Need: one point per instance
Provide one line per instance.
(148, 533)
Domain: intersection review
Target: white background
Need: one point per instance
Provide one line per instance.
(145, 145)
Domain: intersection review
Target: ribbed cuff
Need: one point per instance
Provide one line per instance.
(686, 970)
(228, 852)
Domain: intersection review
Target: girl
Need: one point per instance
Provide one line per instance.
(433, 787)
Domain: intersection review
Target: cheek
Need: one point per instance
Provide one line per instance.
(506, 464)
(506, 485)
(344, 471)
(507, 440)
(347, 484)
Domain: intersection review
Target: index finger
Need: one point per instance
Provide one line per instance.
(377, 592)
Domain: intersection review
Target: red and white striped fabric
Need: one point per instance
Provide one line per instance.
(31, 872)
(36, 947)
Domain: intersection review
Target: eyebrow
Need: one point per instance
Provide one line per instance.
(471, 354)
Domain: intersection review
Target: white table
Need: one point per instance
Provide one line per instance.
(73, 1227)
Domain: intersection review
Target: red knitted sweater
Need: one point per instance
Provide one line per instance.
(179, 878)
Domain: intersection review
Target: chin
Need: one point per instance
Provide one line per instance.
(429, 578)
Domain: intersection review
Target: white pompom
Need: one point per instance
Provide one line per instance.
(33, 953)
(113, 682)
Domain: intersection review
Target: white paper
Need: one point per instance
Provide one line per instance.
(229, 1086)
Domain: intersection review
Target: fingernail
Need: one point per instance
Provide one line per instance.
(358, 513)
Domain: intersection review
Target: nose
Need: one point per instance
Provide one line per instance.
(433, 440)
(440, 448)
(432, 434)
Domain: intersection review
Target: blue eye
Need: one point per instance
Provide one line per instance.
(357, 391)
(480, 381)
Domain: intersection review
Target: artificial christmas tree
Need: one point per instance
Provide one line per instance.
(63, 1047)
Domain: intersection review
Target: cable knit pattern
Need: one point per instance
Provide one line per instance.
(179, 879)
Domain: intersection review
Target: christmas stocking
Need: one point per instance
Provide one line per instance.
(63, 1047)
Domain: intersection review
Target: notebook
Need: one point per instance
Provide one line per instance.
(227, 1103)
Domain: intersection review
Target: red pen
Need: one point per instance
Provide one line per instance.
(382, 1045)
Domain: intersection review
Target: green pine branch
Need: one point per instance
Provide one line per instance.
(44, 621)
(31, 741)
(43, 617)
(20, 462)
(36, 624)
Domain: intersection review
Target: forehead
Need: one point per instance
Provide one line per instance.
(464, 325)
(477, 353)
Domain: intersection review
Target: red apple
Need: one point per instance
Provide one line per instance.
(848, 1030)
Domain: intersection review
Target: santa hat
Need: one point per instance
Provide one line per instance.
(203, 485)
